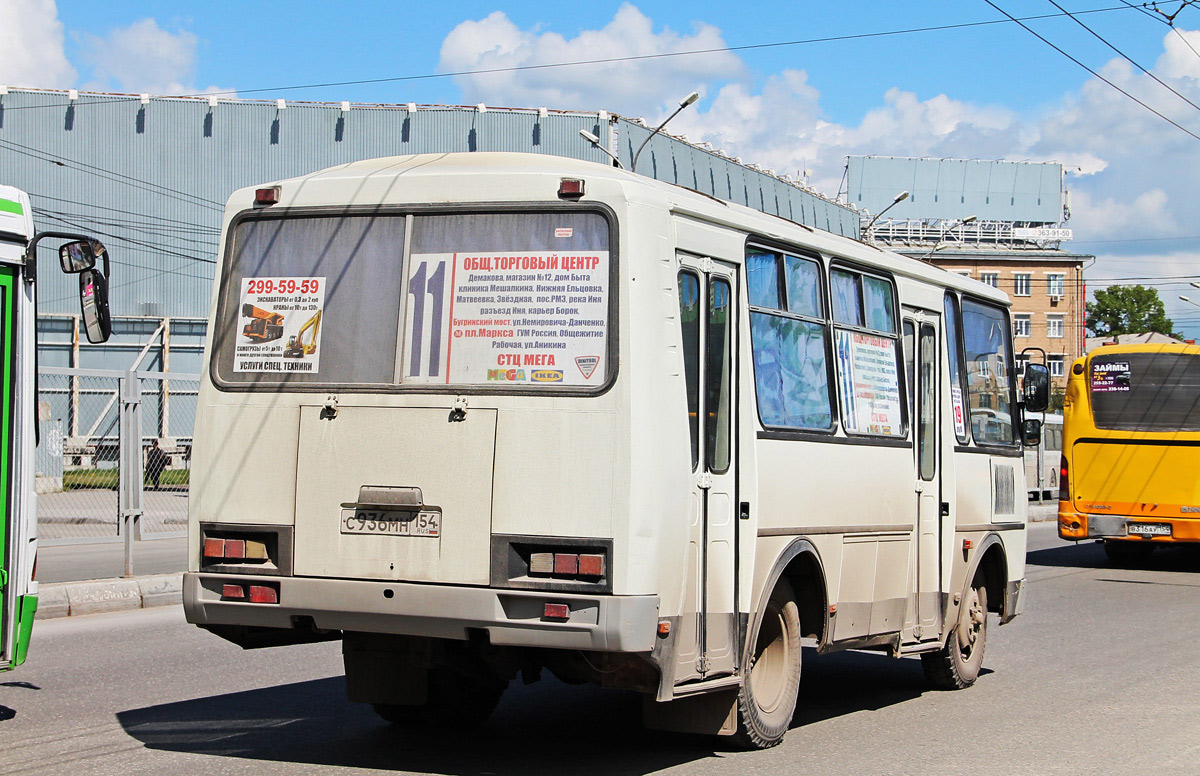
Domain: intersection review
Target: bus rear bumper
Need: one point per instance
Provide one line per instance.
(604, 623)
(1075, 526)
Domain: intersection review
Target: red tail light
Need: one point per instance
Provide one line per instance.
(263, 594)
(233, 591)
(1064, 484)
(557, 612)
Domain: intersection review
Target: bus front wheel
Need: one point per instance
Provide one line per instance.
(956, 665)
(771, 680)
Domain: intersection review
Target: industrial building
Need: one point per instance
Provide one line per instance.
(1002, 223)
(150, 176)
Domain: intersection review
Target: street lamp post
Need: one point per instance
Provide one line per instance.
(686, 101)
(899, 198)
(941, 243)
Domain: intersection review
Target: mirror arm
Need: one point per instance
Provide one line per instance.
(31, 251)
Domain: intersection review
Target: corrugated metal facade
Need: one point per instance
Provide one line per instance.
(151, 180)
(947, 189)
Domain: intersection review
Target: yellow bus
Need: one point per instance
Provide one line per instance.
(1130, 472)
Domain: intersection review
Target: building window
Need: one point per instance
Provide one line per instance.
(1021, 325)
(1021, 360)
(1020, 284)
(1055, 283)
(1056, 365)
(991, 278)
(1054, 325)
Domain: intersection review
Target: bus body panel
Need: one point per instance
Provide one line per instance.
(18, 512)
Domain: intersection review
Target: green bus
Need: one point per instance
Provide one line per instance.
(18, 398)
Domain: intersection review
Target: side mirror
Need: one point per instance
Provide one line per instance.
(93, 300)
(1031, 432)
(79, 255)
(1036, 390)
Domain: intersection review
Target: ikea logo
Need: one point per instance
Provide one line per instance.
(547, 376)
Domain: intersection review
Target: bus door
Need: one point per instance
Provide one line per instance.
(705, 646)
(930, 507)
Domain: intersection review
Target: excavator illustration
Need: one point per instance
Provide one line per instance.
(263, 326)
(296, 347)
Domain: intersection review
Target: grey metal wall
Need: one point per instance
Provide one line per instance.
(948, 189)
(151, 179)
(667, 159)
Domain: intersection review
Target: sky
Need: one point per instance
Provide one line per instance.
(794, 86)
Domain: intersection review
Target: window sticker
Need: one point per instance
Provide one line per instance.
(534, 318)
(279, 325)
(870, 384)
(960, 420)
(1110, 376)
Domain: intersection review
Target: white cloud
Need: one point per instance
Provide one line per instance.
(144, 57)
(31, 45)
(637, 86)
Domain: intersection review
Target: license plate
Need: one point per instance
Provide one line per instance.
(382, 522)
(1149, 529)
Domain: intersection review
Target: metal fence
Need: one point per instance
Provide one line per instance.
(115, 455)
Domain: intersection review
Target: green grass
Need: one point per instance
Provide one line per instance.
(106, 479)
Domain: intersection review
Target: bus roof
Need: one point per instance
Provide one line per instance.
(499, 177)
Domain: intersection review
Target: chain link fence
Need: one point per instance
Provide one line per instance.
(115, 454)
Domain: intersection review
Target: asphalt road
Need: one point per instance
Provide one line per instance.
(1096, 677)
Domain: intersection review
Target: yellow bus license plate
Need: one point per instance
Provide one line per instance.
(391, 523)
(1149, 529)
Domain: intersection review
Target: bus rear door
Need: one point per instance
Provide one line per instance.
(709, 317)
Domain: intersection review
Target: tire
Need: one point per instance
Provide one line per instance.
(956, 665)
(454, 700)
(771, 680)
(1128, 553)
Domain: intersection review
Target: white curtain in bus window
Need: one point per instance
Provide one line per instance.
(789, 339)
(867, 367)
(988, 357)
(311, 300)
(1146, 391)
(507, 299)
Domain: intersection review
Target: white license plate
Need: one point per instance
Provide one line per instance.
(1149, 529)
(384, 522)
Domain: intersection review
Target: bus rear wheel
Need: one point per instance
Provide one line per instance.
(1127, 553)
(771, 681)
(956, 666)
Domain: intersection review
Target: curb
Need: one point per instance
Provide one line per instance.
(96, 596)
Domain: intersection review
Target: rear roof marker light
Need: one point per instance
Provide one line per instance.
(570, 188)
(267, 196)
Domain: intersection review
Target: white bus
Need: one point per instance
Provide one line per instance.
(560, 416)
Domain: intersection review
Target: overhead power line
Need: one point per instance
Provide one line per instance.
(1030, 30)
(1127, 58)
(598, 61)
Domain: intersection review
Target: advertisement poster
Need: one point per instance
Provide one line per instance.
(533, 318)
(1110, 377)
(279, 325)
(870, 384)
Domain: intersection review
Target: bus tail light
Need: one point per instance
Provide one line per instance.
(234, 549)
(556, 612)
(264, 594)
(1064, 483)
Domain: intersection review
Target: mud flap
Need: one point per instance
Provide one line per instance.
(711, 714)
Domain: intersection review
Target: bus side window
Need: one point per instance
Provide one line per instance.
(790, 341)
(689, 318)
